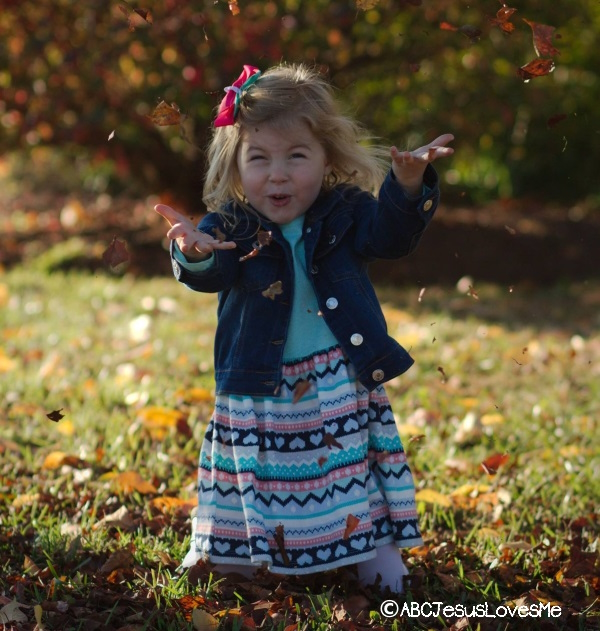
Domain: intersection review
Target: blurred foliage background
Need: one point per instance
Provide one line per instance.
(78, 81)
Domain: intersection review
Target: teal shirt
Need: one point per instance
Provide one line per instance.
(307, 332)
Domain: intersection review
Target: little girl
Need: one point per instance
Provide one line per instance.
(302, 469)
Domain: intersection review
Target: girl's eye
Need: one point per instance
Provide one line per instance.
(256, 157)
(298, 155)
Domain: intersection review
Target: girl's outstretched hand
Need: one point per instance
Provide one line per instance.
(409, 166)
(194, 244)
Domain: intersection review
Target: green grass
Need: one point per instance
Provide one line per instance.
(499, 370)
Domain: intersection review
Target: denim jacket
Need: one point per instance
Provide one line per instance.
(343, 230)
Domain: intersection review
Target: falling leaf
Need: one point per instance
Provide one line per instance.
(366, 5)
(472, 33)
(421, 294)
(330, 441)
(430, 496)
(234, 7)
(351, 524)
(510, 230)
(115, 254)
(56, 415)
(165, 115)
(441, 371)
(135, 17)
(274, 289)
(471, 292)
(536, 68)
(502, 19)
(491, 464)
(542, 39)
(111, 135)
(300, 389)
(554, 120)
(280, 541)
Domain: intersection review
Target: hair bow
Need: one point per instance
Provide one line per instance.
(230, 104)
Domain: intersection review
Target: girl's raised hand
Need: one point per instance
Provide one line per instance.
(192, 242)
(409, 166)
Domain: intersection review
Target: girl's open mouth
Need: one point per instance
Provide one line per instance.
(279, 200)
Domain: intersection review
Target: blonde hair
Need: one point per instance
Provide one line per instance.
(282, 96)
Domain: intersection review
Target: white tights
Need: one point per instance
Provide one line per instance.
(388, 564)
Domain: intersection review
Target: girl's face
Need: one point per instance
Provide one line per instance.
(281, 170)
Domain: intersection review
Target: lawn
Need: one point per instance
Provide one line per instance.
(106, 386)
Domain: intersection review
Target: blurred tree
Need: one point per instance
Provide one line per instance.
(85, 76)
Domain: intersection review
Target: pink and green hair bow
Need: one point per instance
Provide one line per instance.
(228, 109)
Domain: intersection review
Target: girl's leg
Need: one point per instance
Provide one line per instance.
(388, 564)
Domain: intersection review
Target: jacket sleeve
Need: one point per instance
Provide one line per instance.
(394, 223)
(213, 275)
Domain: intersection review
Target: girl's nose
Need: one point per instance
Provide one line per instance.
(278, 172)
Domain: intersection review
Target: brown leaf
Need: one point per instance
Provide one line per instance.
(274, 289)
(121, 559)
(330, 441)
(300, 389)
(351, 524)
(502, 19)
(542, 39)
(165, 114)
(131, 481)
(280, 541)
(219, 234)
(56, 415)
(536, 68)
(491, 464)
(116, 253)
(366, 5)
(234, 7)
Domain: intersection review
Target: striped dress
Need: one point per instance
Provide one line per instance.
(311, 479)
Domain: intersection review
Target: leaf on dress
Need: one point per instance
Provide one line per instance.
(351, 524)
(330, 441)
(301, 388)
(219, 234)
(280, 541)
(263, 238)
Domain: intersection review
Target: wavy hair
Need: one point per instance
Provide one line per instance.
(283, 96)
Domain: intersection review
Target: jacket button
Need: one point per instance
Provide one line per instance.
(378, 375)
(332, 239)
(427, 205)
(308, 230)
(356, 339)
(331, 303)
(314, 269)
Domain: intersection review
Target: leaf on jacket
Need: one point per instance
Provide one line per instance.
(263, 238)
(274, 289)
(219, 234)
(300, 389)
(351, 523)
(280, 541)
(330, 441)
